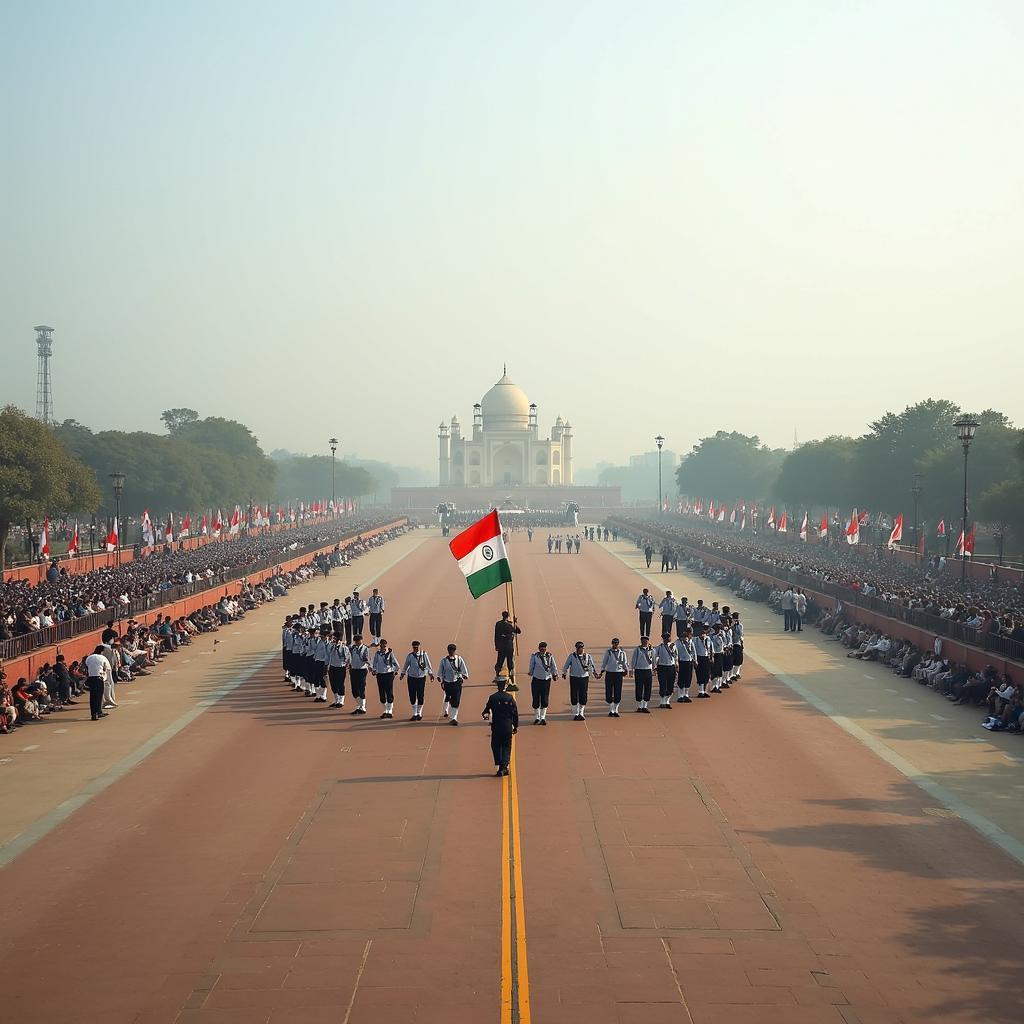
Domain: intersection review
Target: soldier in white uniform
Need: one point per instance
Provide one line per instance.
(645, 606)
(642, 665)
(665, 659)
(614, 668)
(338, 616)
(542, 670)
(668, 607)
(579, 666)
(417, 667)
(357, 609)
(737, 645)
(703, 667)
(717, 648)
(685, 658)
(375, 606)
(359, 665)
(384, 668)
(454, 673)
(338, 659)
(684, 616)
(320, 663)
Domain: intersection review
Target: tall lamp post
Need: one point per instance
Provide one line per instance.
(916, 491)
(966, 428)
(333, 442)
(659, 441)
(118, 481)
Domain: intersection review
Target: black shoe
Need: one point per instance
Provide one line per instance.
(419, 718)
(685, 700)
(504, 771)
(414, 718)
(638, 710)
(725, 686)
(388, 714)
(703, 695)
(385, 715)
(499, 772)
(454, 721)
(615, 714)
(646, 711)
(611, 714)
(543, 721)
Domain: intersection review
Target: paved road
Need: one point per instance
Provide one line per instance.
(739, 859)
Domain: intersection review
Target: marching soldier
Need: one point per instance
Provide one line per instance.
(726, 651)
(358, 612)
(642, 665)
(505, 632)
(668, 607)
(503, 713)
(384, 667)
(580, 667)
(684, 615)
(320, 664)
(717, 651)
(453, 673)
(417, 667)
(737, 645)
(665, 657)
(347, 620)
(338, 615)
(542, 670)
(614, 668)
(359, 665)
(703, 663)
(685, 656)
(338, 660)
(645, 606)
(286, 642)
(375, 606)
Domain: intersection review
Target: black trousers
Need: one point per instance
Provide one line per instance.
(357, 676)
(645, 623)
(541, 689)
(666, 624)
(386, 687)
(666, 680)
(680, 627)
(417, 688)
(787, 619)
(642, 678)
(348, 631)
(506, 656)
(726, 662)
(337, 676)
(703, 670)
(501, 747)
(284, 659)
(716, 666)
(613, 687)
(95, 684)
(453, 693)
(357, 625)
(737, 656)
(578, 689)
(685, 674)
(376, 622)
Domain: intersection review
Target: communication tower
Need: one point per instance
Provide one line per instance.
(44, 386)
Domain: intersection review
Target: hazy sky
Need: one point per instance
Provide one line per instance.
(330, 217)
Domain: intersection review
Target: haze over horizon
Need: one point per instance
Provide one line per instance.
(343, 221)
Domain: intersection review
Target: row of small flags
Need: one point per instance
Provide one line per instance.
(737, 516)
(209, 526)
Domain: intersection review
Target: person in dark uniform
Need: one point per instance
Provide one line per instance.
(503, 714)
(506, 630)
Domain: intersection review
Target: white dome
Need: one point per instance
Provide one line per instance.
(505, 406)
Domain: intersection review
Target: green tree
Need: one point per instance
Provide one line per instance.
(175, 419)
(1003, 507)
(308, 477)
(729, 467)
(819, 473)
(38, 476)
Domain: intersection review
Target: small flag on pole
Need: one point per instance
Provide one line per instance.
(897, 532)
(481, 554)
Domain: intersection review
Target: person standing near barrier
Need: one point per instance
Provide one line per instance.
(384, 668)
(642, 665)
(614, 668)
(786, 603)
(454, 672)
(417, 668)
(97, 668)
(580, 667)
(799, 610)
(359, 665)
(542, 670)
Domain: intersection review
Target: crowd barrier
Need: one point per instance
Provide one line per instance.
(78, 637)
(959, 643)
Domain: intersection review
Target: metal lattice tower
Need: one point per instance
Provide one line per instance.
(44, 386)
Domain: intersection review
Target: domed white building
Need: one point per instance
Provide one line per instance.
(505, 447)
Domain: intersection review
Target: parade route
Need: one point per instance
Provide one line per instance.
(740, 860)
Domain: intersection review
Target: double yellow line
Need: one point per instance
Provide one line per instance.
(515, 978)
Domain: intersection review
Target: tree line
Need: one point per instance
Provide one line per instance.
(876, 470)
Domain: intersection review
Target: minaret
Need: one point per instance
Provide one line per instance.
(567, 474)
(533, 420)
(444, 457)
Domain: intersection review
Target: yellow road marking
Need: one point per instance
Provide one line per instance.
(506, 910)
(517, 865)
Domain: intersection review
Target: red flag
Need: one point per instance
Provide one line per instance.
(203, 528)
(186, 527)
(940, 530)
(113, 541)
(236, 521)
(965, 547)
(711, 511)
(897, 532)
(782, 524)
(73, 543)
(169, 529)
(864, 518)
(823, 529)
(732, 516)
(803, 528)
(44, 539)
(853, 529)
(218, 525)
(771, 524)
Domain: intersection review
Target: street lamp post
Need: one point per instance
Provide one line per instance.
(916, 491)
(659, 441)
(966, 428)
(118, 481)
(333, 442)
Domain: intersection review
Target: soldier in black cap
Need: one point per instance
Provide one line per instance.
(503, 713)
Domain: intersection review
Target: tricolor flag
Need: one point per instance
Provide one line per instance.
(482, 556)
(853, 529)
(147, 529)
(940, 530)
(803, 528)
(186, 527)
(782, 523)
(44, 539)
(73, 543)
(897, 532)
(113, 542)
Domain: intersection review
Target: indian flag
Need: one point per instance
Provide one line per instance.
(482, 556)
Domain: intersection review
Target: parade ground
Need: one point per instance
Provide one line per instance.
(822, 844)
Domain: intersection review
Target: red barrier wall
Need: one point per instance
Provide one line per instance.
(85, 643)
